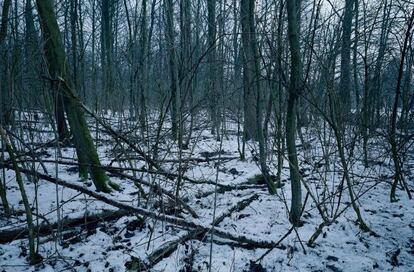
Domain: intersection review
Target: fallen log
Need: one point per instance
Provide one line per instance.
(184, 223)
(183, 160)
(168, 175)
(229, 188)
(155, 187)
(7, 236)
(168, 248)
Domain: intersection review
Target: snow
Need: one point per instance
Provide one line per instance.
(342, 246)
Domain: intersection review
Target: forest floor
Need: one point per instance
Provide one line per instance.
(125, 242)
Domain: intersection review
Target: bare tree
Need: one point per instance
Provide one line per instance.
(252, 95)
(295, 87)
(172, 56)
(58, 71)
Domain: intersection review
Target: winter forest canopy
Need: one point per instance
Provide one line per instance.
(206, 135)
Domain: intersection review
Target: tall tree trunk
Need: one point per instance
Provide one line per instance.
(56, 59)
(238, 84)
(170, 38)
(295, 86)
(195, 39)
(212, 62)
(185, 70)
(251, 74)
(4, 20)
(345, 81)
(355, 58)
(74, 41)
(279, 110)
(4, 101)
(34, 258)
(81, 60)
(398, 176)
(250, 82)
(107, 41)
(373, 88)
(143, 69)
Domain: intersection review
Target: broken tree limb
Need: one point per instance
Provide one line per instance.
(184, 223)
(168, 175)
(155, 187)
(228, 188)
(117, 135)
(10, 235)
(222, 187)
(147, 158)
(183, 160)
(168, 248)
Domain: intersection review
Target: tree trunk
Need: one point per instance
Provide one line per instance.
(294, 92)
(169, 11)
(398, 176)
(253, 104)
(4, 20)
(143, 69)
(4, 103)
(345, 81)
(107, 41)
(212, 62)
(250, 84)
(56, 59)
(34, 258)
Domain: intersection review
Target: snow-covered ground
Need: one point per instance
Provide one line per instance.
(112, 245)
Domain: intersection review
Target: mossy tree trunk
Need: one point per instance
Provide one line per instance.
(58, 70)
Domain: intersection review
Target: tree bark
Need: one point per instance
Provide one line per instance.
(56, 60)
(188, 224)
(398, 176)
(345, 81)
(4, 103)
(294, 92)
(250, 81)
(4, 20)
(33, 256)
(252, 102)
(174, 87)
(107, 41)
(212, 86)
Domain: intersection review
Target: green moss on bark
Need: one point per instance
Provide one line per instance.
(58, 70)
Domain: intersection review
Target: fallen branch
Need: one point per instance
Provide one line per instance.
(184, 223)
(168, 175)
(168, 248)
(228, 188)
(155, 187)
(117, 135)
(7, 236)
(183, 160)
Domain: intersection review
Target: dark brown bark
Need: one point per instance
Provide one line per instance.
(294, 92)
